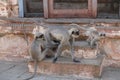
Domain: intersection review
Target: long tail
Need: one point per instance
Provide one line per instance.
(73, 24)
(83, 28)
(35, 69)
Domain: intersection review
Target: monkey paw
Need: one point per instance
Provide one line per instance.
(54, 60)
(75, 60)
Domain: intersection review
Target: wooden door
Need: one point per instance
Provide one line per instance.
(50, 11)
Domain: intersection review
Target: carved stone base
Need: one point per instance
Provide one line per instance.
(65, 67)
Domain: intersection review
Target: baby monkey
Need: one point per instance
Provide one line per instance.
(94, 37)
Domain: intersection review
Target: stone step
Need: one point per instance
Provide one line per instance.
(65, 67)
(83, 21)
(81, 50)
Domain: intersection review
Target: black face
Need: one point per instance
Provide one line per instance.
(103, 35)
(40, 37)
(76, 32)
(53, 39)
(56, 41)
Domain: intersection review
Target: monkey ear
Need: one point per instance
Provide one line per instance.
(104, 34)
(101, 34)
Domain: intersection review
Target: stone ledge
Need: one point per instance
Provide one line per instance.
(65, 67)
(63, 20)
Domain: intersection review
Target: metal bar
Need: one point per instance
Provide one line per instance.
(21, 8)
(119, 9)
(45, 6)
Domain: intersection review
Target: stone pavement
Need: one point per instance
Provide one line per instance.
(18, 70)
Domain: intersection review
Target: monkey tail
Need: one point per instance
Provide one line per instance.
(73, 24)
(78, 26)
(35, 69)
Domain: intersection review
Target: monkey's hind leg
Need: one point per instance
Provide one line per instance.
(72, 52)
(93, 43)
(59, 50)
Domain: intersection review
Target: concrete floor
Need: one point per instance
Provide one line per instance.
(18, 70)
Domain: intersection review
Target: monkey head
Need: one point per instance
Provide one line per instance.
(102, 34)
(54, 40)
(74, 32)
(39, 36)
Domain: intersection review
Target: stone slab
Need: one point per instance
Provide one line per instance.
(65, 67)
(20, 72)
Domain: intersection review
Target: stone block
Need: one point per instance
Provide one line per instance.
(111, 47)
(13, 47)
(65, 67)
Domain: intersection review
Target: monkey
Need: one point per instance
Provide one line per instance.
(38, 51)
(52, 44)
(93, 35)
(58, 38)
(74, 33)
(63, 38)
(95, 38)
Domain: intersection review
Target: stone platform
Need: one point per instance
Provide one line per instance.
(65, 67)
(81, 50)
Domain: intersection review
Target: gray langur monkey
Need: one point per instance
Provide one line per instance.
(93, 35)
(49, 43)
(64, 38)
(38, 51)
(94, 38)
(58, 38)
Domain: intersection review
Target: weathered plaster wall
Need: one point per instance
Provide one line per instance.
(9, 8)
(15, 46)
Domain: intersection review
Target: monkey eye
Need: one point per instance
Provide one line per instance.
(73, 32)
(37, 37)
(104, 34)
(78, 32)
(101, 35)
(41, 36)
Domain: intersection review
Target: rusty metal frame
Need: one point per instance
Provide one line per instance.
(50, 12)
